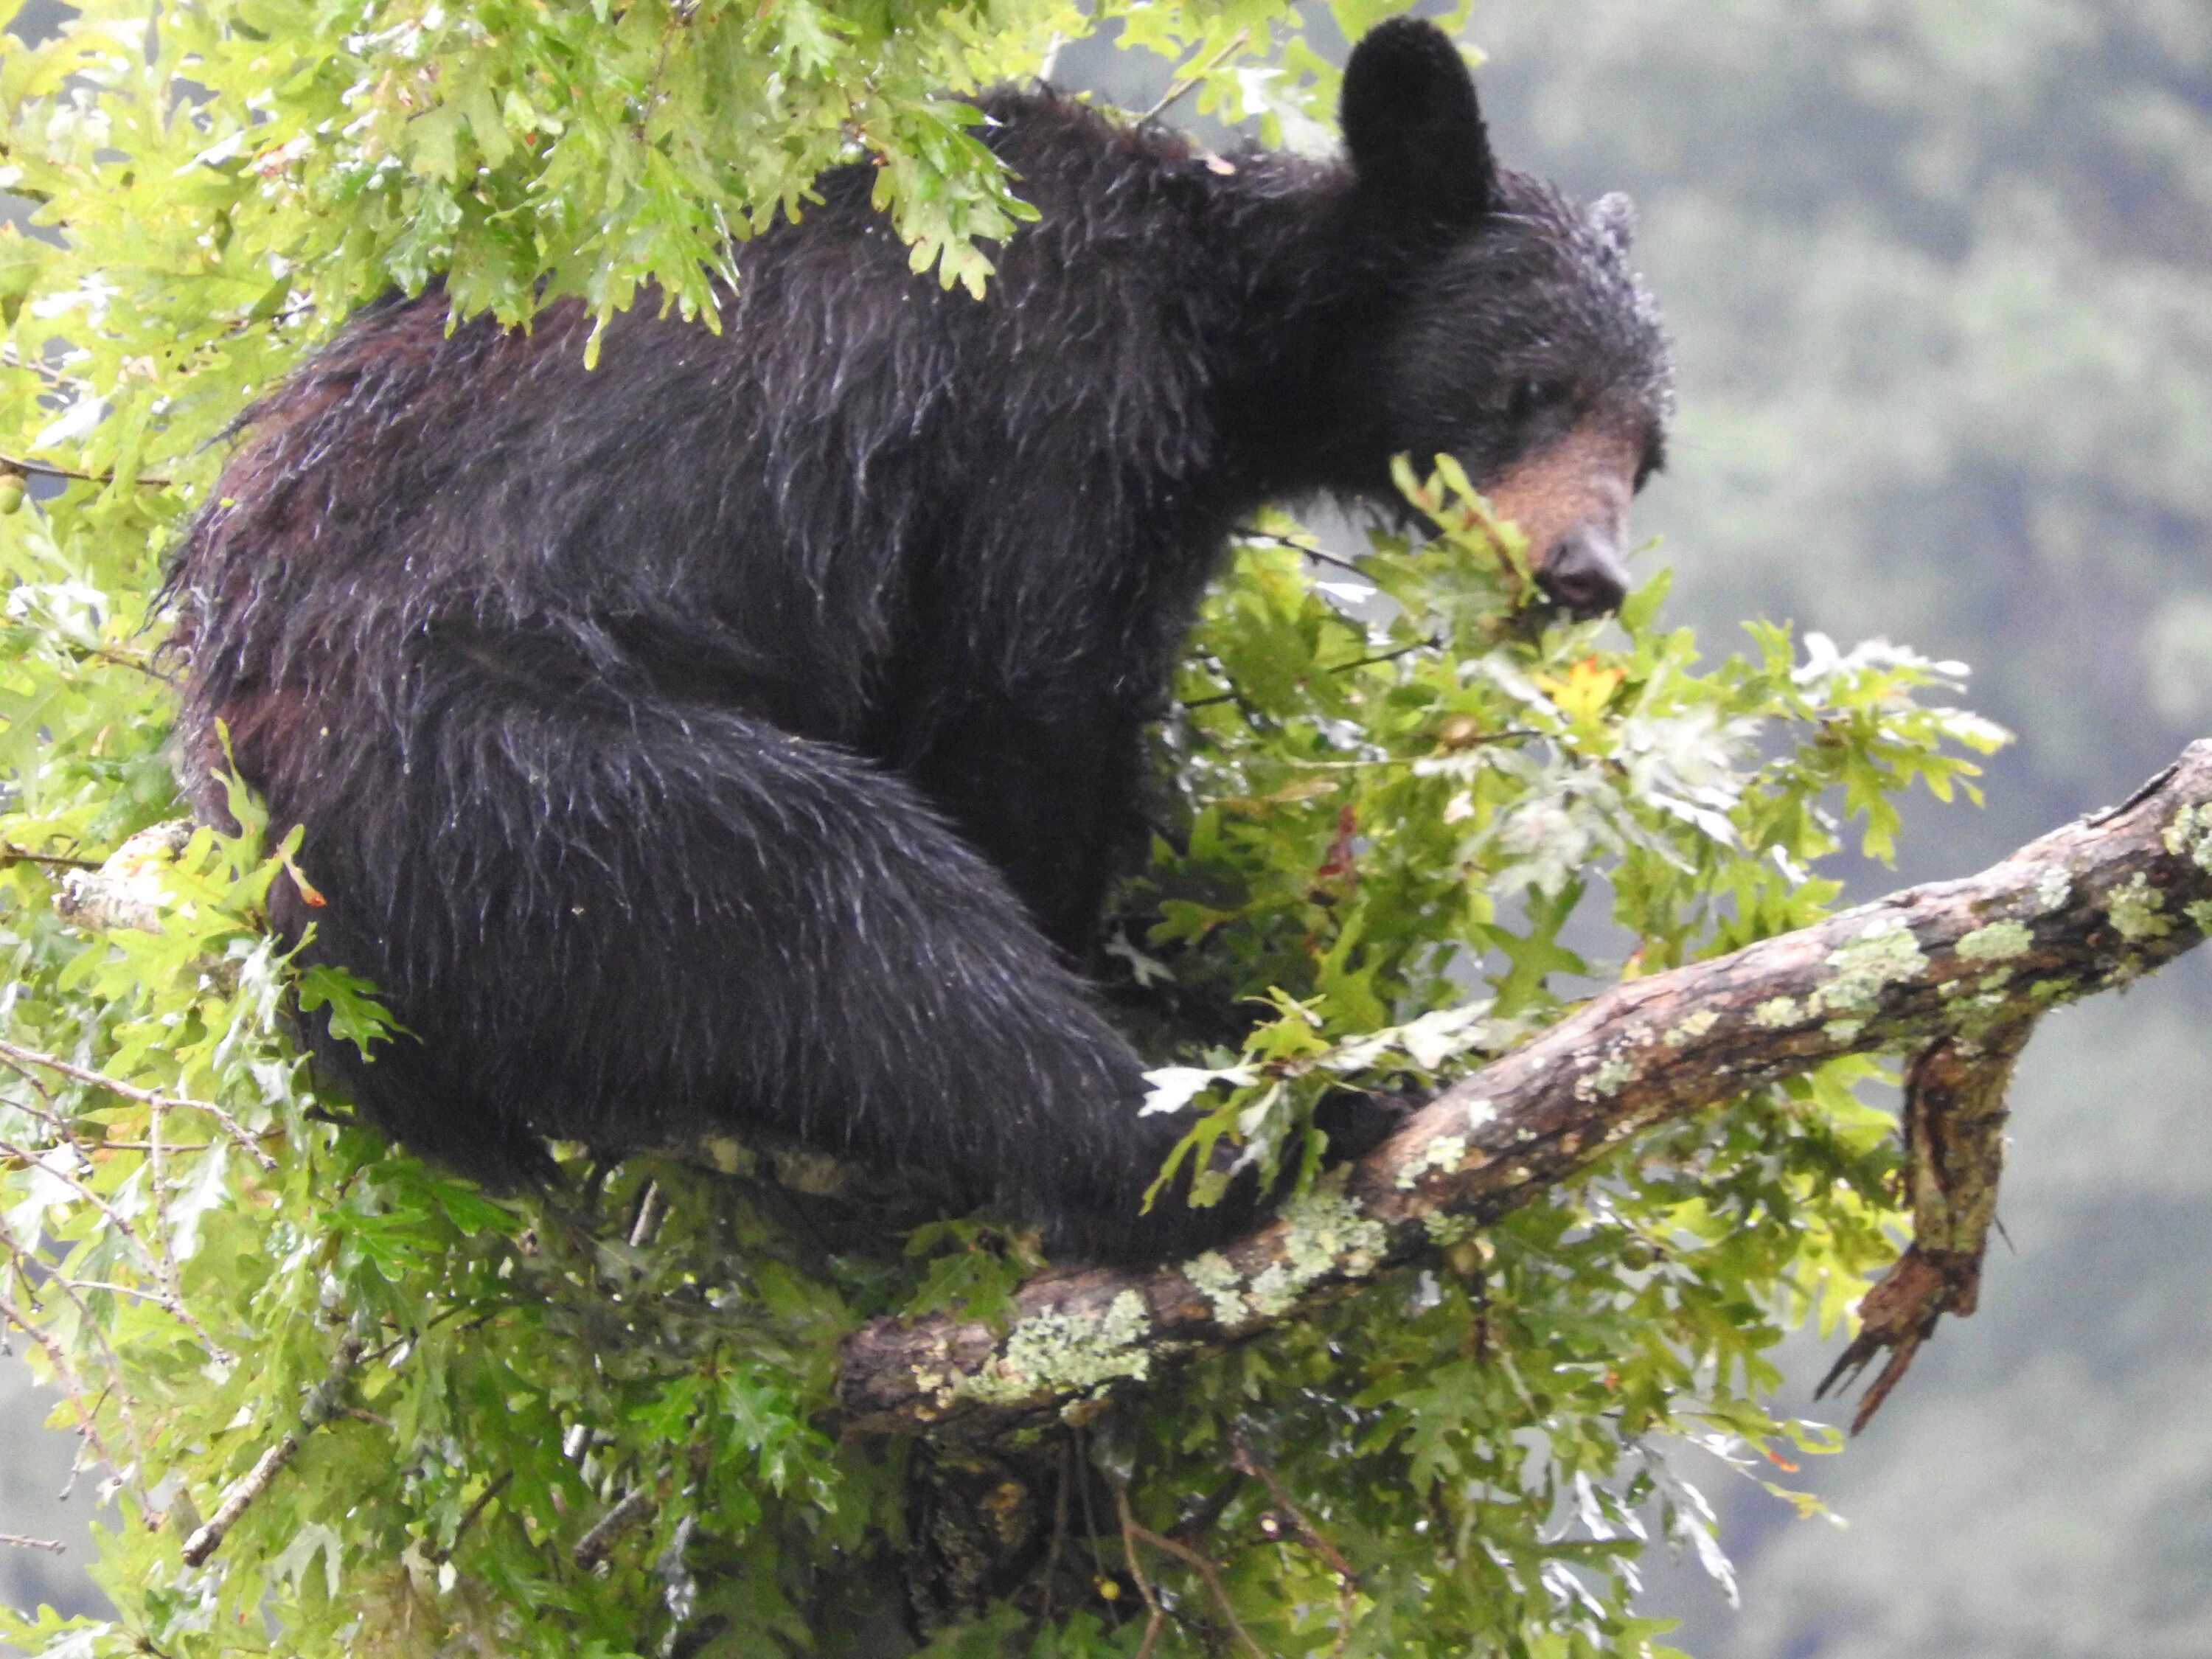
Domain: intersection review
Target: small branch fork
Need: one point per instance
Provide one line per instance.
(1954, 973)
(1133, 1534)
(1347, 1580)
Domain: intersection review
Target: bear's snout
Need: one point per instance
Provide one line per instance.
(1583, 573)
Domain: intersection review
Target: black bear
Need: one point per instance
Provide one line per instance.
(743, 731)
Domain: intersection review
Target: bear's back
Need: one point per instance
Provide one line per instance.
(751, 506)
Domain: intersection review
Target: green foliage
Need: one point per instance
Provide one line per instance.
(1383, 813)
(597, 1422)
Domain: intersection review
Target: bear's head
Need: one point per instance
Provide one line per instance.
(1514, 334)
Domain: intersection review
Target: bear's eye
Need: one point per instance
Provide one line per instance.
(1531, 398)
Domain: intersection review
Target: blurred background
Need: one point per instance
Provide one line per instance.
(1939, 275)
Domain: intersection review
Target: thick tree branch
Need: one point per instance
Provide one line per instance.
(1956, 972)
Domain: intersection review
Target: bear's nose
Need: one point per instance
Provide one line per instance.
(1583, 574)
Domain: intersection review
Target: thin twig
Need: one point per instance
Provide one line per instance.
(1181, 89)
(238, 1133)
(1082, 1465)
(1200, 1521)
(158, 1258)
(16, 1540)
(122, 658)
(1244, 1460)
(139, 1292)
(49, 1115)
(1059, 1524)
(172, 1275)
(1050, 60)
(1391, 655)
(72, 1386)
(322, 1404)
(23, 1261)
(49, 470)
(11, 358)
(1320, 554)
(499, 1485)
(11, 853)
(147, 1146)
(83, 1453)
(1154, 1617)
(154, 1260)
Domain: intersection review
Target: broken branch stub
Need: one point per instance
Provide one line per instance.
(1954, 1119)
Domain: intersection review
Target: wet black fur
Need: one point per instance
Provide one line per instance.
(742, 732)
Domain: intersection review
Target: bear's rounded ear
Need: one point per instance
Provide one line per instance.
(1412, 125)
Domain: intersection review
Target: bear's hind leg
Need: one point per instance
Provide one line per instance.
(626, 921)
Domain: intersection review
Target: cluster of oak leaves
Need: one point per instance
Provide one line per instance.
(1410, 821)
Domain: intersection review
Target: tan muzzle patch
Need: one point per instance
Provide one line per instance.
(1571, 500)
